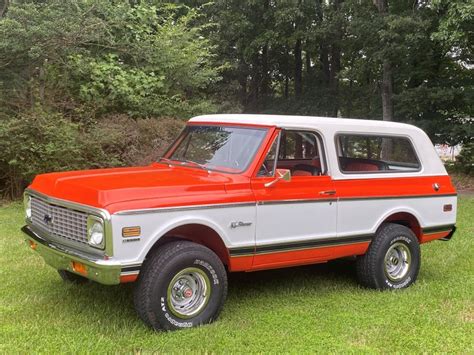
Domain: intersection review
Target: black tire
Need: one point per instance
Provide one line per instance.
(392, 260)
(155, 297)
(71, 277)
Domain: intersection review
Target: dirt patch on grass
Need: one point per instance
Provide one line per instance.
(467, 315)
(464, 183)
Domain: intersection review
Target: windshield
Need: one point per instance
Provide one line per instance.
(229, 149)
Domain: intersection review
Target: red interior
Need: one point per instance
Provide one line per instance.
(361, 167)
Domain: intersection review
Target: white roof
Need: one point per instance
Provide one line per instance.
(298, 121)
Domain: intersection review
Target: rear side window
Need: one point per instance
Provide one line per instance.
(372, 154)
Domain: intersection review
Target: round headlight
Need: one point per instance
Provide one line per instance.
(28, 207)
(96, 233)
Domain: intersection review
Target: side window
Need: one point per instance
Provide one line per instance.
(298, 151)
(371, 153)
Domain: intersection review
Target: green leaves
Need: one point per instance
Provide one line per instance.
(108, 56)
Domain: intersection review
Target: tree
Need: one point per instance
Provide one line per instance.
(387, 75)
(106, 56)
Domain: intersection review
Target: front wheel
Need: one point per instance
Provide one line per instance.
(392, 260)
(182, 285)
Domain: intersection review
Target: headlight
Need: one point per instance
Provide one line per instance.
(27, 201)
(95, 232)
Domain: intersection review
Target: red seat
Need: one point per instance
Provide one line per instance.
(361, 167)
(301, 173)
(316, 162)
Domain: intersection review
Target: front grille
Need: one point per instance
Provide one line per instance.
(59, 222)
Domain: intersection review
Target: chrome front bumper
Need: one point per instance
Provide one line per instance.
(106, 272)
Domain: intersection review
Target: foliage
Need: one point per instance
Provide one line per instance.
(456, 28)
(337, 49)
(465, 160)
(109, 56)
(40, 142)
(37, 142)
(136, 142)
(67, 67)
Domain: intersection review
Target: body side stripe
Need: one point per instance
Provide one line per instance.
(300, 245)
(437, 229)
(134, 268)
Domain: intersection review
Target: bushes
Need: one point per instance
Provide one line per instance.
(136, 142)
(37, 142)
(465, 160)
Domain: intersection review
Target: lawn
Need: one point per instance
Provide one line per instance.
(306, 309)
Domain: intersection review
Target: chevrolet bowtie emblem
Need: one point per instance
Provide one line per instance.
(48, 219)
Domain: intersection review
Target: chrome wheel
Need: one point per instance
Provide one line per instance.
(188, 292)
(397, 261)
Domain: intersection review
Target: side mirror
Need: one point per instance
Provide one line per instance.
(281, 174)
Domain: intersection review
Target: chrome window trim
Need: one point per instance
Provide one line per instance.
(94, 211)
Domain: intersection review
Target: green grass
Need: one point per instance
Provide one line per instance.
(307, 309)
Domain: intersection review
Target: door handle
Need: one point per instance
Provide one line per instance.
(327, 193)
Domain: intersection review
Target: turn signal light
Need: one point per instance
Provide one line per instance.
(33, 245)
(128, 232)
(79, 267)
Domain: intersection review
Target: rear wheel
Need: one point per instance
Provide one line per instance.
(392, 260)
(71, 277)
(182, 285)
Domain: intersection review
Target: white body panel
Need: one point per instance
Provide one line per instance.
(277, 223)
(155, 224)
(365, 216)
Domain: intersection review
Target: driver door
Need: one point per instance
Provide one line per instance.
(296, 218)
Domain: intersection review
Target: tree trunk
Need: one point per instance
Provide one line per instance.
(42, 81)
(387, 91)
(298, 61)
(265, 84)
(286, 68)
(298, 69)
(265, 79)
(308, 61)
(242, 77)
(333, 79)
(335, 67)
(255, 84)
(324, 59)
(4, 8)
(387, 76)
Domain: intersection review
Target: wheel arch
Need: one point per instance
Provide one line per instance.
(196, 231)
(405, 218)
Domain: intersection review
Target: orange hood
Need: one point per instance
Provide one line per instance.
(118, 189)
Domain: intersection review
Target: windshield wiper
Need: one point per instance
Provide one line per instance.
(186, 161)
(182, 162)
(166, 160)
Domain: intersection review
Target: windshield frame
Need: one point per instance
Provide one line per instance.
(172, 148)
